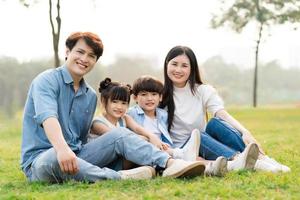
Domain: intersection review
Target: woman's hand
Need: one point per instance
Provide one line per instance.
(248, 138)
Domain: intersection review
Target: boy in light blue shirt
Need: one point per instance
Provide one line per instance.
(147, 93)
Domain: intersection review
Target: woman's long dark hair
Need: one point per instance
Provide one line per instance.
(194, 78)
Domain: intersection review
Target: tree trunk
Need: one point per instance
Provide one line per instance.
(55, 34)
(256, 66)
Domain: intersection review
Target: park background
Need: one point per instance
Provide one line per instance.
(137, 36)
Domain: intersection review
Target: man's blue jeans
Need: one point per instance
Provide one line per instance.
(220, 139)
(96, 156)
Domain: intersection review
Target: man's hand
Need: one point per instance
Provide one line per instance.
(67, 161)
(65, 156)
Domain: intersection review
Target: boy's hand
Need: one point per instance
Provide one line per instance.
(153, 139)
(165, 146)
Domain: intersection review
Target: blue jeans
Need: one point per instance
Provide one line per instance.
(220, 139)
(96, 156)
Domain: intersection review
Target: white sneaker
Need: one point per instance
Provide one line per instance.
(217, 167)
(181, 168)
(191, 149)
(144, 172)
(262, 165)
(246, 159)
(282, 168)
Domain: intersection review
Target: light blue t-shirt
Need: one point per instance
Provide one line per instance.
(51, 94)
(138, 114)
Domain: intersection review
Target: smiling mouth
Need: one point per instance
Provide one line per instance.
(149, 104)
(118, 112)
(81, 65)
(177, 76)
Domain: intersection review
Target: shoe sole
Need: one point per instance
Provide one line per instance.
(251, 157)
(195, 169)
(141, 175)
(198, 140)
(222, 170)
(153, 172)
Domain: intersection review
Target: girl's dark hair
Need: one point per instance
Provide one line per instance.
(148, 84)
(194, 78)
(114, 91)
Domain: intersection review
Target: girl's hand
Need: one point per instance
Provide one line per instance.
(153, 139)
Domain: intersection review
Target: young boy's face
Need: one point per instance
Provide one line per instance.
(148, 101)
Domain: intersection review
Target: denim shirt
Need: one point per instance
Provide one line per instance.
(51, 94)
(138, 114)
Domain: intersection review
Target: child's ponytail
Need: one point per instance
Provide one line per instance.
(104, 84)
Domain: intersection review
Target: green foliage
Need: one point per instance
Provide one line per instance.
(266, 12)
(276, 128)
(277, 85)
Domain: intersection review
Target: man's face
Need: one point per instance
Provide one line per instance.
(80, 60)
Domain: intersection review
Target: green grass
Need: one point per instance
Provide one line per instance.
(278, 130)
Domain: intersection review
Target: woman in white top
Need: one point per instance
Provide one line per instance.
(187, 100)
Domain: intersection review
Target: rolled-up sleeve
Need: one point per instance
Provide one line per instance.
(44, 95)
(212, 101)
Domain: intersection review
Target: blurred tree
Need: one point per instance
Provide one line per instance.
(263, 12)
(280, 85)
(54, 27)
(127, 69)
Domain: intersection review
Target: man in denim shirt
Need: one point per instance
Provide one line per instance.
(57, 116)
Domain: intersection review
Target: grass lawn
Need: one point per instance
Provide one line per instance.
(278, 130)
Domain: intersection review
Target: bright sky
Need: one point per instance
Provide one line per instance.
(141, 27)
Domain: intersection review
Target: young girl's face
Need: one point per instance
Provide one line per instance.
(116, 108)
(148, 101)
(179, 70)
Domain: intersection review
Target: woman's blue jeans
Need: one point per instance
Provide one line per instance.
(220, 139)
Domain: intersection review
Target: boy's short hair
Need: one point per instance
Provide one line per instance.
(91, 39)
(148, 84)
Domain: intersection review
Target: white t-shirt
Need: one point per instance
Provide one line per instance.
(190, 110)
(101, 119)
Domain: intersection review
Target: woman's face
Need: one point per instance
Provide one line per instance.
(179, 70)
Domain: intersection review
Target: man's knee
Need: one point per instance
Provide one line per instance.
(120, 132)
(45, 167)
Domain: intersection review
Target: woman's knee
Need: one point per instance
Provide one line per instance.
(215, 121)
(218, 126)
